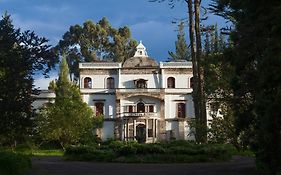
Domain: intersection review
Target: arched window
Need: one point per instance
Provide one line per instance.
(171, 82)
(140, 107)
(87, 82)
(181, 110)
(110, 83)
(99, 108)
(191, 82)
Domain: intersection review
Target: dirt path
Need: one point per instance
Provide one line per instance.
(57, 166)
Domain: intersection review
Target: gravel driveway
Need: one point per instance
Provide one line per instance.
(57, 166)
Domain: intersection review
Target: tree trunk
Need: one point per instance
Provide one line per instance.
(194, 62)
(196, 55)
(200, 71)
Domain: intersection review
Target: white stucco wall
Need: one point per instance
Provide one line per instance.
(107, 99)
(127, 80)
(99, 81)
(107, 130)
(43, 98)
(171, 105)
(181, 80)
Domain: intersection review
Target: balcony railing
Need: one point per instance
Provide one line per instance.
(103, 65)
(139, 90)
(140, 114)
(187, 64)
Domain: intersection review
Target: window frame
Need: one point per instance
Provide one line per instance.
(138, 107)
(171, 82)
(141, 84)
(151, 107)
(110, 83)
(181, 110)
(88, 83)
(99, 106)
(191, 82)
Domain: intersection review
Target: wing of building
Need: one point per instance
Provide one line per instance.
(140, 99)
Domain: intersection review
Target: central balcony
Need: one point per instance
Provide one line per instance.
(139, 90)
(140, 114)
(152, 92)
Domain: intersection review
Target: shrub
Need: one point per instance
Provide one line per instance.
(88, 154)
(164, 152)
(116, 145)
(218, 151)
(78, 150)
(150, 149)
(123, 148)
(13, 163)
(184, 150)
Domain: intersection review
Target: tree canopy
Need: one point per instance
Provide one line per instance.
(96, 42)
(69, 120)
(21, 54)
(182, 50)
(256, 82)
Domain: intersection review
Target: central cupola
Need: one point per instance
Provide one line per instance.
(140, 59)
(141, 51)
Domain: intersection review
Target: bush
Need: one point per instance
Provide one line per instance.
(13, 163)
(164, 152)
(124, 148)
(88, 154)
(150, 149)
(184, 150)
(218, 151)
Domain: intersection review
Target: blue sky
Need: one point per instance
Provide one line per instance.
(149, 22)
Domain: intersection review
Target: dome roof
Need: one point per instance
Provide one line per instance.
(140, 62)
(140, 58)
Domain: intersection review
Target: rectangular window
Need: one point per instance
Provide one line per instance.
(99, 108)
(130, 109)
(151, 108)
(181, 110)
(150, 128)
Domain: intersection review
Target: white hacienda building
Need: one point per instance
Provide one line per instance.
(140, 99)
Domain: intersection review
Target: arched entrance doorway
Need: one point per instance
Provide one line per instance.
(141, 133)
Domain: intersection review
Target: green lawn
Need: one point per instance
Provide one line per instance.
(54, 152)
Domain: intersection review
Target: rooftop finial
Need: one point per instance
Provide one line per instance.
(141, 50)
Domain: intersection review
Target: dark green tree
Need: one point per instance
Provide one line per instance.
(182, 50)
(256, 59)
(69, 120)
(21, 55)
(96, 42)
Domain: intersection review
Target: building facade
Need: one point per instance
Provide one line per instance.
(140, 99)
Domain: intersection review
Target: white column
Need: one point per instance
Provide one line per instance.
(146, 128)
(135, 129)
(162, 78)
(155, 129)
(119, 78)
